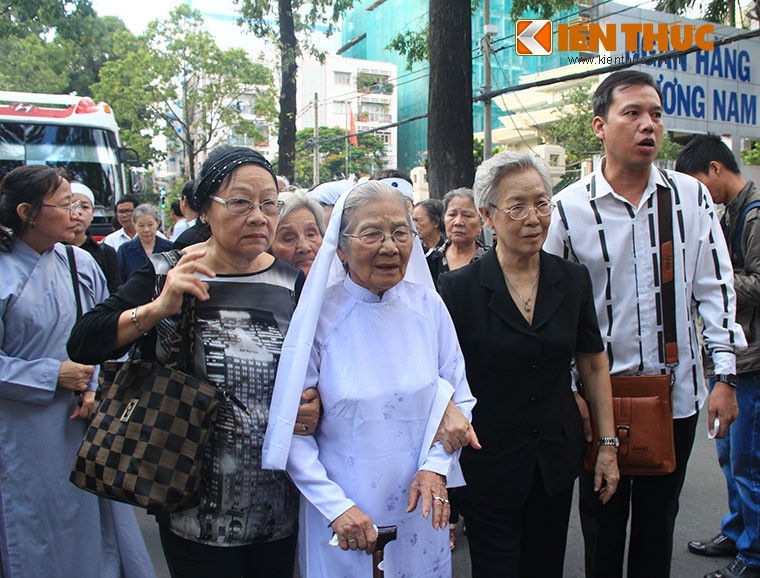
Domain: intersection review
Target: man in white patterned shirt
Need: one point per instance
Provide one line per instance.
(608, 222)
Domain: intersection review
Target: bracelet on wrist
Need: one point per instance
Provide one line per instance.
(135, 322)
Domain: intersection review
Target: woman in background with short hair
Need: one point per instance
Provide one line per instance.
(463, 228)
(428, 219)
(300, 230)
(134, 254)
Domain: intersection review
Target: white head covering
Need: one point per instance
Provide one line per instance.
(403, 186)
(84, 190)
(328, 193)
(296, 348)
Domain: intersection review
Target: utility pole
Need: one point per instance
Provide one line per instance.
(315, 168)
(488, 31)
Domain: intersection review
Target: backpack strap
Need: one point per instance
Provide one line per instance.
(737, 244)
(74, 278)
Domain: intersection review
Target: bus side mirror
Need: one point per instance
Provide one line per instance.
(129, 156)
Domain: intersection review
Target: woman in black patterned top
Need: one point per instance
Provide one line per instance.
(245, 523)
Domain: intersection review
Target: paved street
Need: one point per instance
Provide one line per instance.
(702, 505)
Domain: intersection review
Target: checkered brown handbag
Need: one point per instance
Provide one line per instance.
(146, 442)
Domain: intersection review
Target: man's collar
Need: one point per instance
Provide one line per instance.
(600, 187)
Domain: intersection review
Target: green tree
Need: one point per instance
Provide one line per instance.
(285, 22)
(670, 149)
(176, 80)
(60, 52)
(121, 85)
(40, 66)
(752, 156)
(719, 11)
(90, 44)
(20, 18)
(363, 159)
(478, 149)
(572, 130)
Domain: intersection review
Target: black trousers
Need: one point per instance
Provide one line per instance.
(652, 504)
(188, 559)
(520, 542)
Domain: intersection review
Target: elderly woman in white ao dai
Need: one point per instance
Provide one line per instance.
(386, 361)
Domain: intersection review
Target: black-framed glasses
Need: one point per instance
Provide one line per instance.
(75, 206)
(521, 212)
(270, 208)
(370, 237)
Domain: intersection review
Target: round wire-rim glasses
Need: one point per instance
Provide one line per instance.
(372, 237)
(521, 212)
(238, 206)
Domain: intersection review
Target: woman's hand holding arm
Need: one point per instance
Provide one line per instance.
(595, 374)
(355, 530)
(431, 487)
(308, 412)
(181, 279)
(74, 376)
(455, 431)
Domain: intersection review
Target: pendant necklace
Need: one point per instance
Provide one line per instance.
(526, 303)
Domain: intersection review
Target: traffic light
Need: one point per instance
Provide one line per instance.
(162, 194)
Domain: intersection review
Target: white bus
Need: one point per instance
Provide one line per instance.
(73, 133)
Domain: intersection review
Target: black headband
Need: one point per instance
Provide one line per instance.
(225, 163)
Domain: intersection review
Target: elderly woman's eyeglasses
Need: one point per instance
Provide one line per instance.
(521, 212)
(372, 237)
(270, 208)
(75, 206)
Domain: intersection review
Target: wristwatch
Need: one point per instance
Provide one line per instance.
(728, 378)
(609, 442)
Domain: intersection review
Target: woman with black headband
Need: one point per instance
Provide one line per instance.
(245, 522)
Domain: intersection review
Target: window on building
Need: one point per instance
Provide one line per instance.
(342, 77)
(340, 107)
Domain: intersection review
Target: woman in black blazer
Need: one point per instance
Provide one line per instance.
(521, 316)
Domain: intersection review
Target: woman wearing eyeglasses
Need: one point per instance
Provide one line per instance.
(245, 521)
(49, 527)
(522, 315)
(385, 359)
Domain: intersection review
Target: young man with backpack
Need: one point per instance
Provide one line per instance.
(708, 159)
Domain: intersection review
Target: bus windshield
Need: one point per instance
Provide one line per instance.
(88, 155)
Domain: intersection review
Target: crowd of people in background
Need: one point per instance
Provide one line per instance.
(397, 370)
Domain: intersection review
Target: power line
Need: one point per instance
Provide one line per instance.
(566, 78)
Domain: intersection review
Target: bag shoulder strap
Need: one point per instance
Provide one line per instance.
(737, 244)
(181, 352)
(74, 278)
(667, 272)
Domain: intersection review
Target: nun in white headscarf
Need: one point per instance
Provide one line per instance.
(327, 194)
(380, 346)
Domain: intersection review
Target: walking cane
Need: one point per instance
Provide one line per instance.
(385, 534)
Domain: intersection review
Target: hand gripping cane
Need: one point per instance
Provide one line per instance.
(385, 534)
